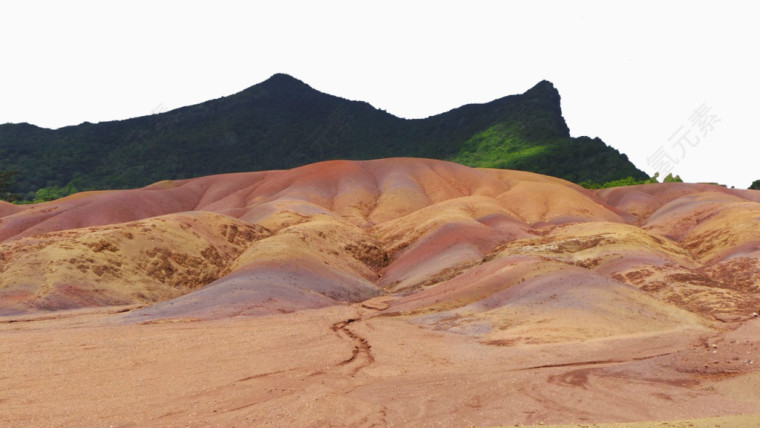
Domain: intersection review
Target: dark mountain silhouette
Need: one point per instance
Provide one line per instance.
(282, 123)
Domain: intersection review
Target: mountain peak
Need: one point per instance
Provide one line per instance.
(282, 80)
(544, 84)
(279, 86)
(544, 88)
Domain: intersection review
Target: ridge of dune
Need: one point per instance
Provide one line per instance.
(384, 226)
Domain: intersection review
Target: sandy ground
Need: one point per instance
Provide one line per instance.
(736, 421)
(348, 366)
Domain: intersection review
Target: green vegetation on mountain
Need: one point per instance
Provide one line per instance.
(283, 123)
(7, 178)
(755, 185)
(630, 181)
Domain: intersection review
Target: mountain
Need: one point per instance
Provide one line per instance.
(282, 123)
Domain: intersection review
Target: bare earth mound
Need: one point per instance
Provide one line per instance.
(390, 292)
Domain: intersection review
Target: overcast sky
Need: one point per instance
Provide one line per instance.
(671, 84)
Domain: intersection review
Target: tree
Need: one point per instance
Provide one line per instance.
(7, 178)
(54, 192)
(755, 185)
(671, 179)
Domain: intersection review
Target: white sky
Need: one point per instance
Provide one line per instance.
(631, 73)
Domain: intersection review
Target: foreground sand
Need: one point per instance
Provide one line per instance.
(320, 368)
(736, 421)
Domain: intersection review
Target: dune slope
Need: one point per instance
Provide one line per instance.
(361, 229)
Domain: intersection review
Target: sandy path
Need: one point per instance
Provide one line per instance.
(343, 366)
